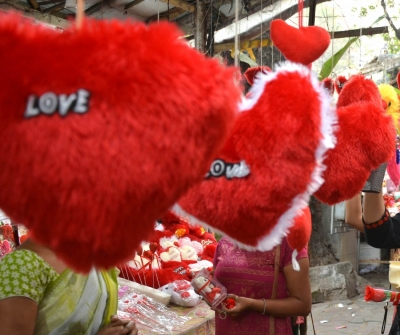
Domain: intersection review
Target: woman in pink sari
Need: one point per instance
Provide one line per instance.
(267, 290)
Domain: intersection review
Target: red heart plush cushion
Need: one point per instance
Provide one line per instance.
(365, 139)
(301, 45)
(104, 128)
(271, 162)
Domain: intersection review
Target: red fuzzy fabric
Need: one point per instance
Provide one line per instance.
(365, 139)
(300, 233)
(209, 252)
(339, 83)
(277, 138)
(91, 185)
(329, 85)
(251, 73)
(301, 45)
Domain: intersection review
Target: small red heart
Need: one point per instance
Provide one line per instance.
(300, 45)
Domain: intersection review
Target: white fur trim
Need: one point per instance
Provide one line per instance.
(295, 263)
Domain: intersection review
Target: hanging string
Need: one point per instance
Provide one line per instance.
(261, 33)
(333, 33)
(360, 62)
(237, 33)
(158, 11)
(280, 16)
(300, 9)
(80, 13)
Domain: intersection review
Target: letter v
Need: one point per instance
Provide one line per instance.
(66, 102)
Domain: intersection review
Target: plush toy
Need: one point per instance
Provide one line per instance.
(391, 103)
(278, 139)
(206, 288)
(252, 72)
(106, 136)
(182, 293)
(365, 139)
(301, 45)
(196, 246)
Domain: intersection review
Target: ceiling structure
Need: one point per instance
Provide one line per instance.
(194, 17)
(210, 24)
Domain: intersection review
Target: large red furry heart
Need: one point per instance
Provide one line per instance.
(104, 128)
(271, 162)
(301, 45)
(365, 140)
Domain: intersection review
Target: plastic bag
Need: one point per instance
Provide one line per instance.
(148, 314)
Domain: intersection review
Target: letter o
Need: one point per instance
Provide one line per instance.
(217, 168)
(48, 103)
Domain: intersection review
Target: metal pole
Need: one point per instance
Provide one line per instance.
(199, 36)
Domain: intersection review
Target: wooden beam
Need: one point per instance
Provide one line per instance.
(93, 9)
(54, 8)
(358, 32)
(182, 4)
(49, 2)
(172, 14)
(219, 47)
(34, 4)
(133, 3)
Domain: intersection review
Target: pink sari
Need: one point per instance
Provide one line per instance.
(252, 275)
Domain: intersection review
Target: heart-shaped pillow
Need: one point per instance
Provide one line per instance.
(365, 139)
(171, 254)
(104, 128)
(301, 45)
(271, 162)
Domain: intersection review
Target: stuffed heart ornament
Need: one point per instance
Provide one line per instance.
(271, 162)
(365, 139)
(299, 234)
(107, 126)
(301, 45)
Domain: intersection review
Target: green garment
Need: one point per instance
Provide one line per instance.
(69, 303)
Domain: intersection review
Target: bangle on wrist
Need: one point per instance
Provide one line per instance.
(265, 305)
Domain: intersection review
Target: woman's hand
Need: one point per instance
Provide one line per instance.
(119, 327)
(241, 304)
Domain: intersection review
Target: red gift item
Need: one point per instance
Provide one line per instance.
(380, 295)
(229, 303)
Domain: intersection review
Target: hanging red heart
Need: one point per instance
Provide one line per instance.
(365, 139)
(271, 162)
(106, 127)
(300, 45)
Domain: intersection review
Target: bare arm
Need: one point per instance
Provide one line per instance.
(353, 216)
(17, 316)
(297, 303)
(374, 207)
